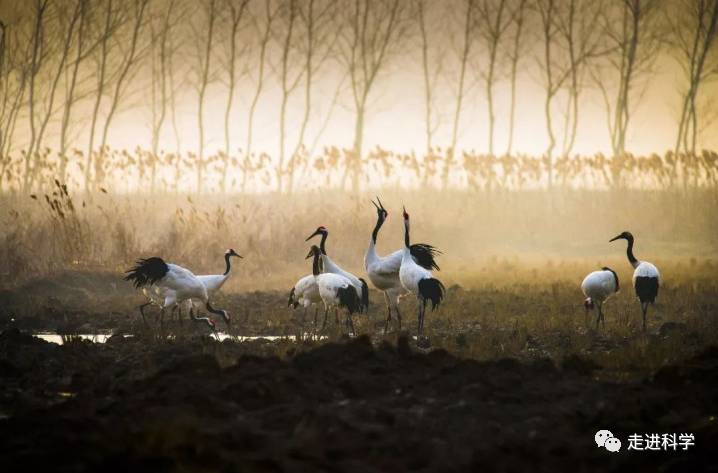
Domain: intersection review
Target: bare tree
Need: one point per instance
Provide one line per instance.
(111, 19)
(694, 25)
(288, 82)
(263, 25)
(66, 26)
(494, 20)
(317, 18)
(469, 36)
(71, 83)
(564, 53)
(432, 60)
(634, 37)
(518, 20)
(15, 52)
(582, 42)
(235, 13)
(127, 63)
(369, 38)
(204, 34)
(39, 53)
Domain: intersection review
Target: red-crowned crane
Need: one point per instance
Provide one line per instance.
(419, 281)
(598, 286)
(335, 290)
(383, 271)
(213, 283)
(175, 283)
(646, 278)
(329, 266)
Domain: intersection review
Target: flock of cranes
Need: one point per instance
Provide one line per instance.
(406, 271)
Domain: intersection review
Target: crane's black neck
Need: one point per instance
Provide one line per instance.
(315, 264)
(375, 233)
(629, 252)
(406, 234)
(228, 267)
(322, 244)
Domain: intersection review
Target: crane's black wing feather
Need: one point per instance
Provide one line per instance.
(425, 255)
(147, 271)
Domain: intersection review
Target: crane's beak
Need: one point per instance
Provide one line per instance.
(377, 207)
(310, 254)
(382, 205)
(313, 235)
(615, 238)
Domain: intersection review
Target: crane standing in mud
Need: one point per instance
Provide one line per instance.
(175, 283)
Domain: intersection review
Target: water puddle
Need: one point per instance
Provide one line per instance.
(103, 337)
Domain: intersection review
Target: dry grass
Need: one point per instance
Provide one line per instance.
(513, 261)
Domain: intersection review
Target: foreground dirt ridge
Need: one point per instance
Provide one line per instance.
(200, 405)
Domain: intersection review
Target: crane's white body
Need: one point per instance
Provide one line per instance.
(411, 273)
(180, 284)
(599, 285)
(383, 271)
(646, 270)
(306, 291)
(328, 285)
(213, 282)
(330, 267)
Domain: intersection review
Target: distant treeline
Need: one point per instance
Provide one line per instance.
(68, 68)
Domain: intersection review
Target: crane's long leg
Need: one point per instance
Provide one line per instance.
(600, 316)
(336, 315)
(398, 314)
(326, 312)
(585, 317)
(162, 316)
(388, 315)
(175, 308)
(418, 319)
(423, 315)
(644, 309)
(142, 312)
(351, 323)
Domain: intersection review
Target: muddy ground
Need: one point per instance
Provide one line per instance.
(531, 400)
(195, 404)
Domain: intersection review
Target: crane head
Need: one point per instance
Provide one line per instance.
(624, 235)
(314, 250)
(319, 231)
(588, 304)
(381, 212)
(231, 252)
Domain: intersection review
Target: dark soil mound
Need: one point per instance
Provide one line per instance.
(199, 405)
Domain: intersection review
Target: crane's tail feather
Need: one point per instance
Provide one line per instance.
(364, 296)
(293, 303)
(647, 288)
(349, 299)
(433, 290)
(615, 277)
(147, 271)
(425, 255)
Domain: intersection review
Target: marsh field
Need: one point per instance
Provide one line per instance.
(516, 377)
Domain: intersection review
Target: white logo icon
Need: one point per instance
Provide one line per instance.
(604, 438)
